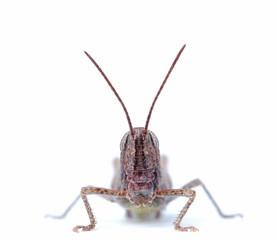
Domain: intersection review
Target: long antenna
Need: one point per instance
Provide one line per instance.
(166, 77)
(116, 94)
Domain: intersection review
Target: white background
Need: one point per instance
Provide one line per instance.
(61, 125)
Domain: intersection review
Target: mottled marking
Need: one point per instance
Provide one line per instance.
(141, 183)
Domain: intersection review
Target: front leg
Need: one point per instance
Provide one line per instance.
(180, 192)
(94, 190)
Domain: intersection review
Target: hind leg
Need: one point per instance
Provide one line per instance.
(198, 182)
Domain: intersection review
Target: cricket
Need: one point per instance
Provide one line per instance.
(141, 183)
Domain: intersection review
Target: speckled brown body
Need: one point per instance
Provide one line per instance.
(141, 183)
(140, 166)
(141, 173)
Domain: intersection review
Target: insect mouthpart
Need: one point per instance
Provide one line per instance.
(141, 186)
(140, 198)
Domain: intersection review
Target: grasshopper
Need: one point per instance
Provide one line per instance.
(141, 183)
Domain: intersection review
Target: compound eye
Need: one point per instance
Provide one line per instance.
(124, 140)
(154, 139)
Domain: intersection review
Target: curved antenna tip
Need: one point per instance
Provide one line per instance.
(115, 92)
(163, 83)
